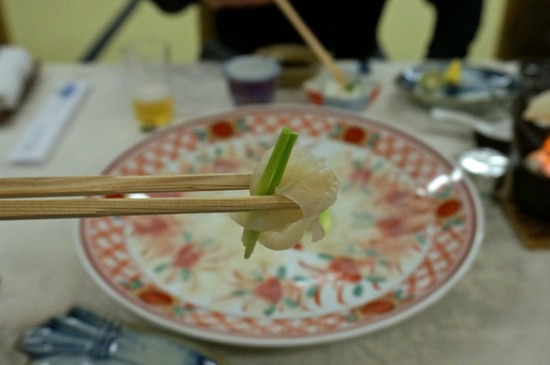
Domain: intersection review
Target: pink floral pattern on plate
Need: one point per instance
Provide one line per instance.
(397, 239)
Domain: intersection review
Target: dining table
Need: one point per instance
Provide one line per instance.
(497, 313)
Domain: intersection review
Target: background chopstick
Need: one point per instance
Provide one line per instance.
(108, 185)
(312, 41)
(12, 209)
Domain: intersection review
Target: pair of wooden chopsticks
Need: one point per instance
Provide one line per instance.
(12, 207)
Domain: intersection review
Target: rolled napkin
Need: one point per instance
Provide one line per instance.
(16, 67)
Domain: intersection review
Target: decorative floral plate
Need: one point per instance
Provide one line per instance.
(404, 229)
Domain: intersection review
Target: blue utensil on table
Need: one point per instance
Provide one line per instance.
(83, 338)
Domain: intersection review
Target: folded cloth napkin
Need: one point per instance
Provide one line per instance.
(16, 66)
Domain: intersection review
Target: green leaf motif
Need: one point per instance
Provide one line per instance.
(325, 256)
(336, 131)
(422, 239)
(136, 284)
(350, 318)
(372, 139)
(207, 242)
(185, 274)
(358, 290)
(201, 134)
(281, 273)
(241, 124)
(311, 292)
(179, 311)
(455, 222)
(186, 236)
(240, 292)
(161, 267)
(270, 310)
(375, 279)
(291, 303)
(400, 294)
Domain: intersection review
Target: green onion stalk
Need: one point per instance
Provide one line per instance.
(270, 179)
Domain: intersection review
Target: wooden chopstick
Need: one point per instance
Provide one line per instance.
(32, 187)
(103, 186)
(15, 209)
(312, 41)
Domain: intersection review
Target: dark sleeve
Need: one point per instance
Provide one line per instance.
(455, 28)
(172, 6)
(350, 27)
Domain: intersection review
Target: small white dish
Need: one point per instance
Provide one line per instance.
(324, 90)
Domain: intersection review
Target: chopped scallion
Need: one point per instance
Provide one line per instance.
(269, 180)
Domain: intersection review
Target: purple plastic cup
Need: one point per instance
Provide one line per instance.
(252, 79)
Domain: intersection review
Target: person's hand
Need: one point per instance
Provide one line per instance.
(217, 4)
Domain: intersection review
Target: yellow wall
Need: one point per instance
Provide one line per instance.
(61, 30)
(406, 27)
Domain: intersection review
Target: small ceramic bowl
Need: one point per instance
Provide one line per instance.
(252, 79)
(324, 90)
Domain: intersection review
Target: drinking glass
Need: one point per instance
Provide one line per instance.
(148, 66)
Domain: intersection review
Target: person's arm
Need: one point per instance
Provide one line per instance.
(456, 27)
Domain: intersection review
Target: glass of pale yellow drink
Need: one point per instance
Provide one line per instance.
(148, 66)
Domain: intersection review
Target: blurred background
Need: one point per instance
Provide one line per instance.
(65, 30)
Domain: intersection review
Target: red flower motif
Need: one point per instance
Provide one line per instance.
(354, 135)
(269, 290)
(222, 129)
(154, 296)
(153, 225)
(346, 269)
(376, 307)
(392, 226)
(187, 256)
(315, 97)
(448, 208)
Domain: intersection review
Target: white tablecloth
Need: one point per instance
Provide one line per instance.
(499, 313)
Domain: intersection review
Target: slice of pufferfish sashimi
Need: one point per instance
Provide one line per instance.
(307, 181)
